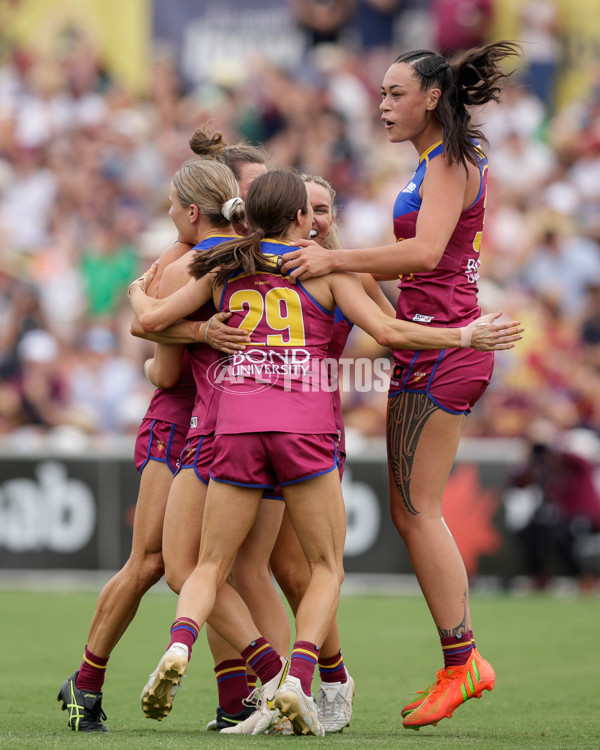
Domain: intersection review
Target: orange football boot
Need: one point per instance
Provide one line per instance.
(422, 694)
(454, 686)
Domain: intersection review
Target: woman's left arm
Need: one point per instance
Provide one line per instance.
(443, 197)
(156, 314)
(375, 292)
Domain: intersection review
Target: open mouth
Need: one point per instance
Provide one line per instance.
(313, 234)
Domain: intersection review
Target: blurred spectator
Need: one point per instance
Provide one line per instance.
(323, 20)
(39, 381)
(540, 32)
(108, 265)
(563, 505)
(102, 383)
(461, 24)
(20, 312)
(561, 266)
(27, 202)
(522, 166)
(375, 22)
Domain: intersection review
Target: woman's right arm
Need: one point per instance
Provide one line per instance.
(157, 314)
(444, 189)
(357, 306)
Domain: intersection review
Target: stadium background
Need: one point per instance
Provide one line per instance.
(97, 102)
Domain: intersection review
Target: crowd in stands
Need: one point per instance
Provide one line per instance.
(85, 166)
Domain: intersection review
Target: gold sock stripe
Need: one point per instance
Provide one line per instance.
(258, 650)
(335, 664)
(304, 651)
(459, 645)
(93, 664)
(241, 670)
(184, 621)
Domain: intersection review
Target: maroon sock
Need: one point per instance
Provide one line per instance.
(232, 684)
(332, 669)
(262, 658)
(304, 659)
(457, 651)
(91, 672)
(184, 630)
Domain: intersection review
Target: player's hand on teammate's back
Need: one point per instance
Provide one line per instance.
(311, 260)
(226, 338)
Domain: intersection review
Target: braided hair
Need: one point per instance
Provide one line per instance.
(471, 78)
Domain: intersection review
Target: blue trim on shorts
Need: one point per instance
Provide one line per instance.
(194, 464)
(268, 496)
(167, 459)
(431, 398)
(169, 444)
(243, 484)
(143, 465)
(336, 465)
(183, 468)
(402, 389)
(409, 369)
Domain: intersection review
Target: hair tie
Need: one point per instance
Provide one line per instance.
(259, 233)
(228, 207)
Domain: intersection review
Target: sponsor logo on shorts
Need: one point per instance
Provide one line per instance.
(418, 376)
(194, 422)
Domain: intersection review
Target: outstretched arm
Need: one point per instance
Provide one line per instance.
(375, 292)
(483, 334)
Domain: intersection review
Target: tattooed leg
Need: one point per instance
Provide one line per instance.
(422, 444)
(408, 413)
(461, 628)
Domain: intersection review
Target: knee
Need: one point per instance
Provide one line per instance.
(333, 569)
(154, 568)
(176, 577)
(146, 570)
(292, 581)
(399, 519)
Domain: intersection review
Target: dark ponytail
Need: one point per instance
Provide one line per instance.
(469, 79)
(241, 255)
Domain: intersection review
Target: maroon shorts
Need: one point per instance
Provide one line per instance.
(197, 455)
(277, 493)
(267, 459)
(454, 379)
(159, 441)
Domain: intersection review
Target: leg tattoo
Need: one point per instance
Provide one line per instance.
(407, 415)
(460, 629)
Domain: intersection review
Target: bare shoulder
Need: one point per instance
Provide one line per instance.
(445, 182)
(172, 254)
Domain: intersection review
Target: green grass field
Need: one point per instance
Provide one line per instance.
(545, 652)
